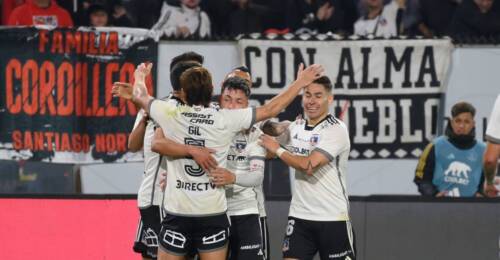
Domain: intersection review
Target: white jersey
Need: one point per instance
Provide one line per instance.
(384, 25)
(149, 190)
(189, 191)
(322, 196)
(493, 129)
(172, 17)
(244, 147)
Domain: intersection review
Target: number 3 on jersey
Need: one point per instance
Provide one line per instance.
(194, 169)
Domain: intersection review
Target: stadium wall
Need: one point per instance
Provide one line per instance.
(472, 77)
(388, 228)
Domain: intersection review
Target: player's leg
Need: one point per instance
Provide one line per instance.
(140, 247)
(174, 239)
(211, 236)
(299, 242)
(245, 239)
(336, 240)
(147, 242)
(264, 233)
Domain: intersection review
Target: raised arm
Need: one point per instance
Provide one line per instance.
(136, 137)
(281, 101)
(138, 93)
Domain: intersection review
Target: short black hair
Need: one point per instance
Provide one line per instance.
(177, 70)
(242, 68)
(186, 56)
(462, 107)
(236, 83)
(325, 81)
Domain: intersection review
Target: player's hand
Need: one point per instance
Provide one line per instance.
(163, 181)
(122, 89)
(269, 143)
(141, 72)
(308, 75)
(490, 190)
(203, 157)
(221, 176)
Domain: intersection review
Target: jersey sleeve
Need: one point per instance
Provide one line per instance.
(332, 141)
(138, 118)
(162, 112)
(255, 151)
(239, 119)
(493, 129)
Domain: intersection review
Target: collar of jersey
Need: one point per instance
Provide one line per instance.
(307, 127)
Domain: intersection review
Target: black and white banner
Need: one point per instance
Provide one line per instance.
(389, 92)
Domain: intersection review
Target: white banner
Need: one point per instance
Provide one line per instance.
(389, 92)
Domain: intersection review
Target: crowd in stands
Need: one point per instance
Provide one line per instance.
(209, 18)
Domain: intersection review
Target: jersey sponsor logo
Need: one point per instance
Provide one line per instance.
(199, 118)
(45, 20)
(238, 158)
(297, 137)
(341, 255)
(195, 186)
(298, 150)
(457, 172)
(174, 239)
(249, 247)
(215, 238)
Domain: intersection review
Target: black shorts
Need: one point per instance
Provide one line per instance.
(264, 233)
(245, 242)
(182, 235)
(332, 239)
(146, 240)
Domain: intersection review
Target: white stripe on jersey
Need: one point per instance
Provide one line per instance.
(189, 192)
(321, 197)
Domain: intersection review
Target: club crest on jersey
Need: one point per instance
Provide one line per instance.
(240, 146)
(314, 139)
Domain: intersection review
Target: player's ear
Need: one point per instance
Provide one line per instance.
(330, 99)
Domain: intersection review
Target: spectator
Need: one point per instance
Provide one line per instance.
(7, 7)
(246, 17)
(315, 16)
(476, 18)
(399, 17)
(119, 16)
(98, 15)
(146, 13)
(77, 10)
(436, 17)
(452, 164)
(183, 21)
(40, 12)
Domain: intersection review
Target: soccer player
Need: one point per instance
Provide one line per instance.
(492, 153)
(149, 196)
(243, 176)
(318, 150)
(196, 210)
